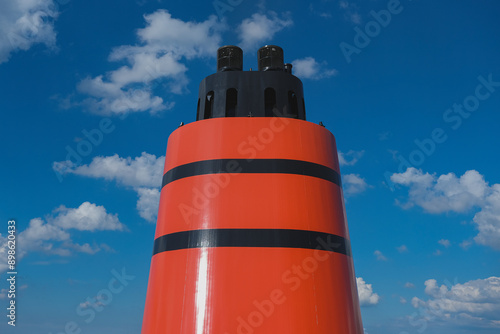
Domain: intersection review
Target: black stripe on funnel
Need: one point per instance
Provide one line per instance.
(277, 238)
(237, 166)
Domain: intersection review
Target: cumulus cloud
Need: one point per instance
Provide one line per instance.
(351, 13)
(409, 285)
(56, 227)
(147, 205)
(466, 244)
(165, 44)
(350, 158)
(309, 68)
(379, 255)
(445, 242)
(86, 248)
(449, 193)
(320, 12)
(353, 184)
(143, 171)
(3, 253)
(87, 217)
(365, 293)
(444, 193)
(52, 235)
(473, 303)
(402, 249)
(24, 23)
(260, 28)
(108, 98)
(143, 174)
(3, 293)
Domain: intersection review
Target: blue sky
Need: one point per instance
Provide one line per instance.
(410, 89)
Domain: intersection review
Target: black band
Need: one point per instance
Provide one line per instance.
(236, 166)
(279, 238)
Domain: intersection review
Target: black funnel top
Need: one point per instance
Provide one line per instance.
(270, 58)
(229, 58)
(271, 91)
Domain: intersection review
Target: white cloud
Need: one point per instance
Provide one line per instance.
(321, 13)
(350, 12)
(260, 28)
(350, 158)
(449, 193)
(87, 217)
(85, 248)
(109, 98)
(52, 235)
(379, 255)
(39, 230)
(409, 285)
(5, 292)
(488, 219)
(445, 242)
(402, 249)
(189, 39)
(309, 68)
(91, 302)
(24, 23)
(472, 303)
(164, 46)
(143, 171)
(353, 184)
(465, 244)
(444, 193)
(343, 4)
(365, 293)
(144, 174)
(3, 254)
(148, 203)
(355, 18)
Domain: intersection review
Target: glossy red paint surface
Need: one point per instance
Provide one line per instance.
(244, 290)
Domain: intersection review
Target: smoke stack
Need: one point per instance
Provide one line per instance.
(251, 235)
